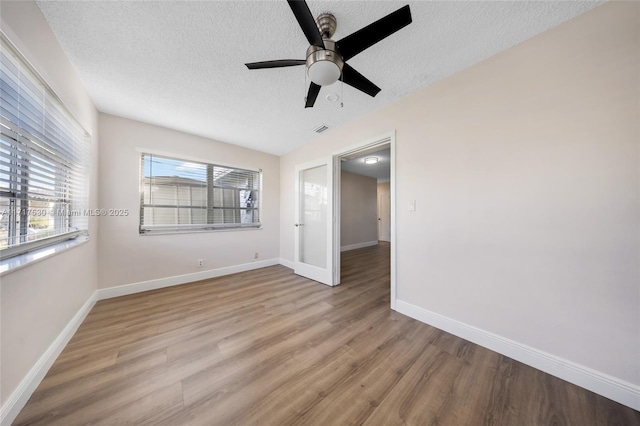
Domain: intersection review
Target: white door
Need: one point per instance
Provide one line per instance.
(313, 221)
(384, 216)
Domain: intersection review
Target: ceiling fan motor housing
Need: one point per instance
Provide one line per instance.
(324, 66)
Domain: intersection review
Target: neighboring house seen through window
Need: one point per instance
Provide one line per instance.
(185, 196)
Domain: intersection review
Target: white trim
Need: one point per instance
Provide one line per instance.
(380, 140)
(392, 193)
(336, 213)
(287, 263)
(20, 261)
(200, 230)
(123, 290)
(603, 384)
(359, 245)
(30, 382)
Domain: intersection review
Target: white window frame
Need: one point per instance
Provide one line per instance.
(146, 229)
(28, 144)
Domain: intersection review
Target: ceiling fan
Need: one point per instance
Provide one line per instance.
(326, 59)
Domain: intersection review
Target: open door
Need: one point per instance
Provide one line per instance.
(314, 220)
(384, 216)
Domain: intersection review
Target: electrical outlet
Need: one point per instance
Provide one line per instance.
(255, 255)
(200, 263)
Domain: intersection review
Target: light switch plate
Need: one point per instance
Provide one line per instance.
(412, 205)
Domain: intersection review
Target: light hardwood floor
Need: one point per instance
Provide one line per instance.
(269, 347)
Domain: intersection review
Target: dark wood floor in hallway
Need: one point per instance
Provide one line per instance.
(271, 348)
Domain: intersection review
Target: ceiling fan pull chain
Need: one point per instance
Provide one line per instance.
(342, 94)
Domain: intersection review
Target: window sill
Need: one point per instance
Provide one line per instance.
(18, 262)
(198, 231)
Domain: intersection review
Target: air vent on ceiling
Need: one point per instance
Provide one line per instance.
(321, 128)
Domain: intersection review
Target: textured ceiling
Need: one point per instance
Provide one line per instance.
(380, 170)
(180, 64)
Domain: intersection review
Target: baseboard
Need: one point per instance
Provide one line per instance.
(359, 245)
(286, 262)
(30, 382)
(610, 387)
(123, 290)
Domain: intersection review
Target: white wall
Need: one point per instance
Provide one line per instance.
(38, 301)
(126, 257)
(525, 173)
(358, 209)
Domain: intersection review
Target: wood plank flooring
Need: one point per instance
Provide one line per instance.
(271, 348)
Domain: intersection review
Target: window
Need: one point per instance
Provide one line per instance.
(186, 196)
(44, 161)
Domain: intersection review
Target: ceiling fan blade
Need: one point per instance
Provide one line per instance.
(314, 89)
(275, 64)
(306, 21)
(354, 79)
(366, 37)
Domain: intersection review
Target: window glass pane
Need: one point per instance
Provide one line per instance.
(249, 216)
(161, 215)
(178, 192)
(198, 216)
(4, 222)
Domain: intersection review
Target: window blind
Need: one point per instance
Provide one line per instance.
(185, 196)
(44, 161)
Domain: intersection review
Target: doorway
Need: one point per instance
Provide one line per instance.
(364, 201)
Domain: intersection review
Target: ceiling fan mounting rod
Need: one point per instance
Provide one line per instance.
(327, 24)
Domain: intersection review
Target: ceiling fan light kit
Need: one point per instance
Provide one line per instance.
(324, 65)
(326, 59)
